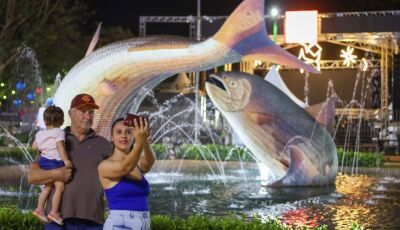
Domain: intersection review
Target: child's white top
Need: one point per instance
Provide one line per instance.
(46, 141)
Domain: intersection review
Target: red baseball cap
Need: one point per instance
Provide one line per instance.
(82, 100)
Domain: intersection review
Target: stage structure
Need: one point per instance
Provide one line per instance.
(374, 32)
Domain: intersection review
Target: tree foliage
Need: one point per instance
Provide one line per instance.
(53, 28)
(59, 31)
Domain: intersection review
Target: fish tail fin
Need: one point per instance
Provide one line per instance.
(245, 32)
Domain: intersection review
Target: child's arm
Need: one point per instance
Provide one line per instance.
(63, 153)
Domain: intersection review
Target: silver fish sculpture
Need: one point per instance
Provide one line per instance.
(292, 144)
(121, 74)
(275, 78)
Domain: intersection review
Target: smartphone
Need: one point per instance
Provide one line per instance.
(129, 119)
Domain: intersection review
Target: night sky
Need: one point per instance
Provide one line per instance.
(126, 13)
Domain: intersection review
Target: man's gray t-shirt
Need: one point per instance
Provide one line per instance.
(83, 195)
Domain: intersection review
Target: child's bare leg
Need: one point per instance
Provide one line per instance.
(43, 198)
(55, 203)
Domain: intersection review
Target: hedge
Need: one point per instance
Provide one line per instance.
(22, 137)
(185, 151)
(218, 152)
(363, 159)
(16, 154)
(11, 218)
(213, 152)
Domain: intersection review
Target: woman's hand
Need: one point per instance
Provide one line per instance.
(148, 141)
(141, 131)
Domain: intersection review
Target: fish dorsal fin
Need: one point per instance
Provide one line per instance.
(301, 170)
(94, 41)
(261, 118)
(324, 113)
(275, 79)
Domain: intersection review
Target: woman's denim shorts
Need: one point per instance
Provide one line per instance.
(125, 219)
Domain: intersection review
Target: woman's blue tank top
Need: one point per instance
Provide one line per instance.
(129, 194)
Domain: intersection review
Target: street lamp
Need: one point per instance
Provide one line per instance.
(274, 14)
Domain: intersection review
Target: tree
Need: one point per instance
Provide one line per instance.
(53, 28)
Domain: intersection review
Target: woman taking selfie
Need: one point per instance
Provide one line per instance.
(122, 175)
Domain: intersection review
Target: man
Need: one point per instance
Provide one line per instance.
(82, 202)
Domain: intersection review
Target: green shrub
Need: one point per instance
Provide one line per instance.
(203, 152)
(3, 141)
(213, 152)
(217, 152)
(160, 150)
(363, 159)
(16, 154)
(22, 137)
(11, 218)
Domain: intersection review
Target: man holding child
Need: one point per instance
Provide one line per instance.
(82, 205)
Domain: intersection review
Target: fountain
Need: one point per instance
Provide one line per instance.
(220, 187)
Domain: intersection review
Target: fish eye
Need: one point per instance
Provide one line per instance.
(233, 84)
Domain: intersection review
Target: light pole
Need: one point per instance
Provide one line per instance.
(274, 14)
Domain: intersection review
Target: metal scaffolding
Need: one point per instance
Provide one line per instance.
(384, 44)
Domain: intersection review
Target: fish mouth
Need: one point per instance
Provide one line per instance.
(219, 92)
(220, 85)
(217, 81)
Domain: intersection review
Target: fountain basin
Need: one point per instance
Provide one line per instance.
(186, 187)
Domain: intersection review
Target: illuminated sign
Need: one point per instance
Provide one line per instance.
(301, 27)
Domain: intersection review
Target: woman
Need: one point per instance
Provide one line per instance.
(122, 176)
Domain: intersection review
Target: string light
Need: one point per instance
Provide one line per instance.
(348, 56)
(310, 56)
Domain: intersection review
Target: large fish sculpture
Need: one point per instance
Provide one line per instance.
(121, 74)
(292, 144)
(275, 78)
